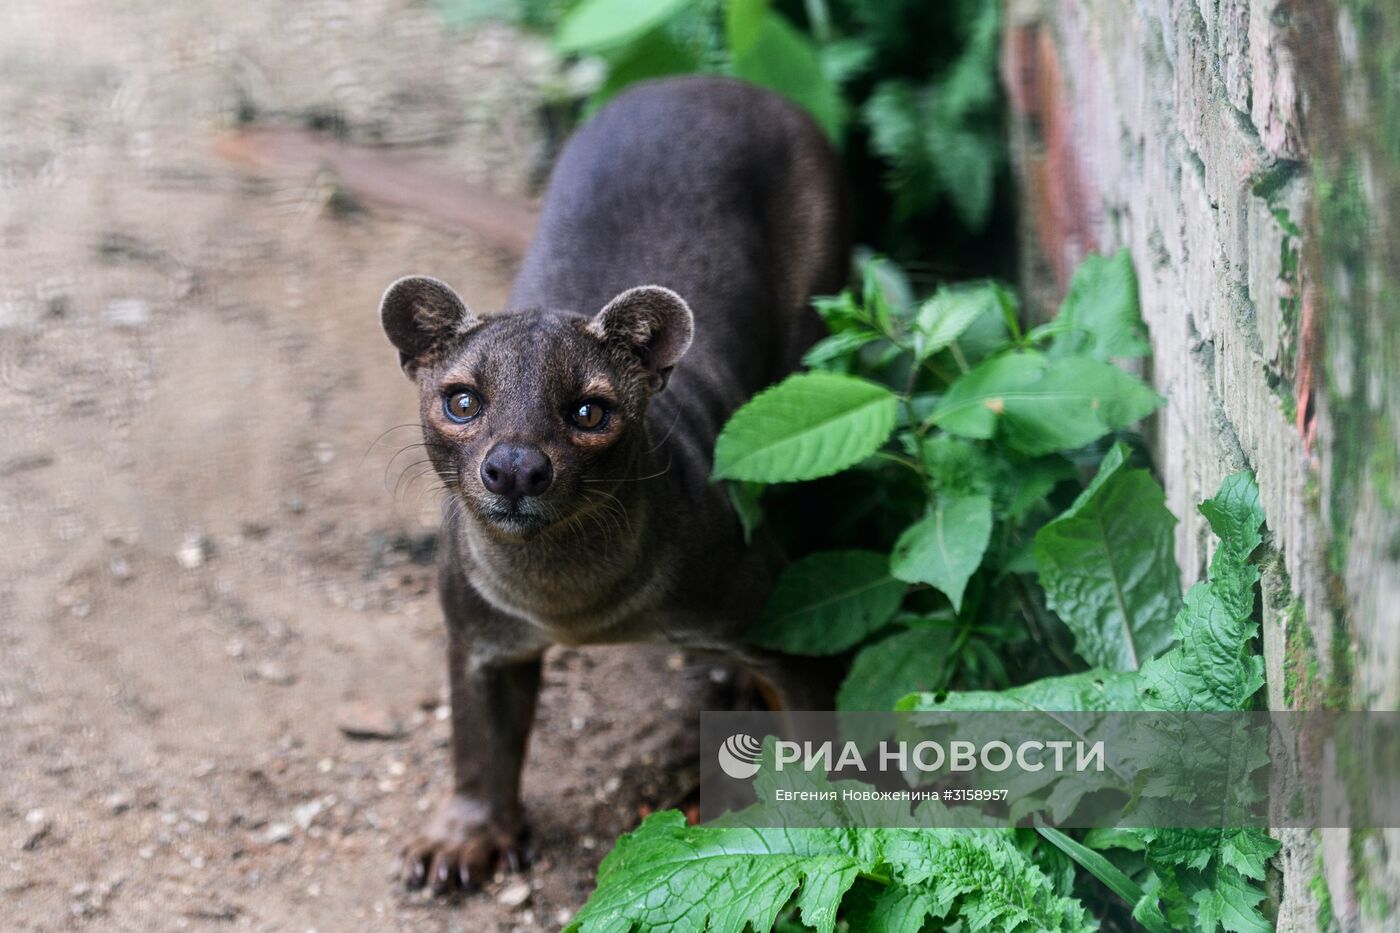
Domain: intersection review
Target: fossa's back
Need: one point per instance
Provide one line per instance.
(721, 191)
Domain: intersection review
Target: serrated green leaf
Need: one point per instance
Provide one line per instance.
(819, 898)
(987, 336)
(1236, 517)
(827, 602)
(598, 25)
(666, 875)
(1245, 850)
(1077, 401)
(1213, 666)
(1248, 851)
(840, 311)
(899, 910)
(943, 318)
(973, 404)
(1108, 566)
(945, 548)
(779, 57)
(973, 875)
(838, 346)
(1043, 405)
(1100, 316)
(1209, 670)
(719, 877)
(1230, 901)
(906, 662)
(808, 426)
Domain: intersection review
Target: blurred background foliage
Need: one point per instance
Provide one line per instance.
(907, 90)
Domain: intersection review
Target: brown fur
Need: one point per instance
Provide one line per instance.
(715, 191)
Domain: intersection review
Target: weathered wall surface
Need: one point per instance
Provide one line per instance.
(1248, 153)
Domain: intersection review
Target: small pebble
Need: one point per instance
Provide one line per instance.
(515, 893)
(274, 673)
(360, 720)
(305, 814)
(39, 828)
(193, 552)
(127, 312)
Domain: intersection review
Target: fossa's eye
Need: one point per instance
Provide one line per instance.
(591, 415)
(461, 405)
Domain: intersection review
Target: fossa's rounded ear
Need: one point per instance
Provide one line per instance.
(654, 323)
(418, 314)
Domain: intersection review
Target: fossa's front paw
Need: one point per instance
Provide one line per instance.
(461, 849)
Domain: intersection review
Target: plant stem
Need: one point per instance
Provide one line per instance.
(820, 18)
(958, 356)
(914, 424)
(901, 460)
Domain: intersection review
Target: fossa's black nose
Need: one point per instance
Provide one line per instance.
(515, 470)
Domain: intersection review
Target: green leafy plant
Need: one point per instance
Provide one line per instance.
(1107, 570)
(730, 876)
(907, 88)
(1204, 879)
(943, 139)
(976, 427)
(640, 39)
(1004, 534)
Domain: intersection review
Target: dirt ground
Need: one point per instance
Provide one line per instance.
(211, 557)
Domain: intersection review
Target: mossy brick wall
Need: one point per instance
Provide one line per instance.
(1247, 152)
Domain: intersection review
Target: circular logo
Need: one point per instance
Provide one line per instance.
(738, 756)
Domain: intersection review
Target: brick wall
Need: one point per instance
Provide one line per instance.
(1248, 154)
